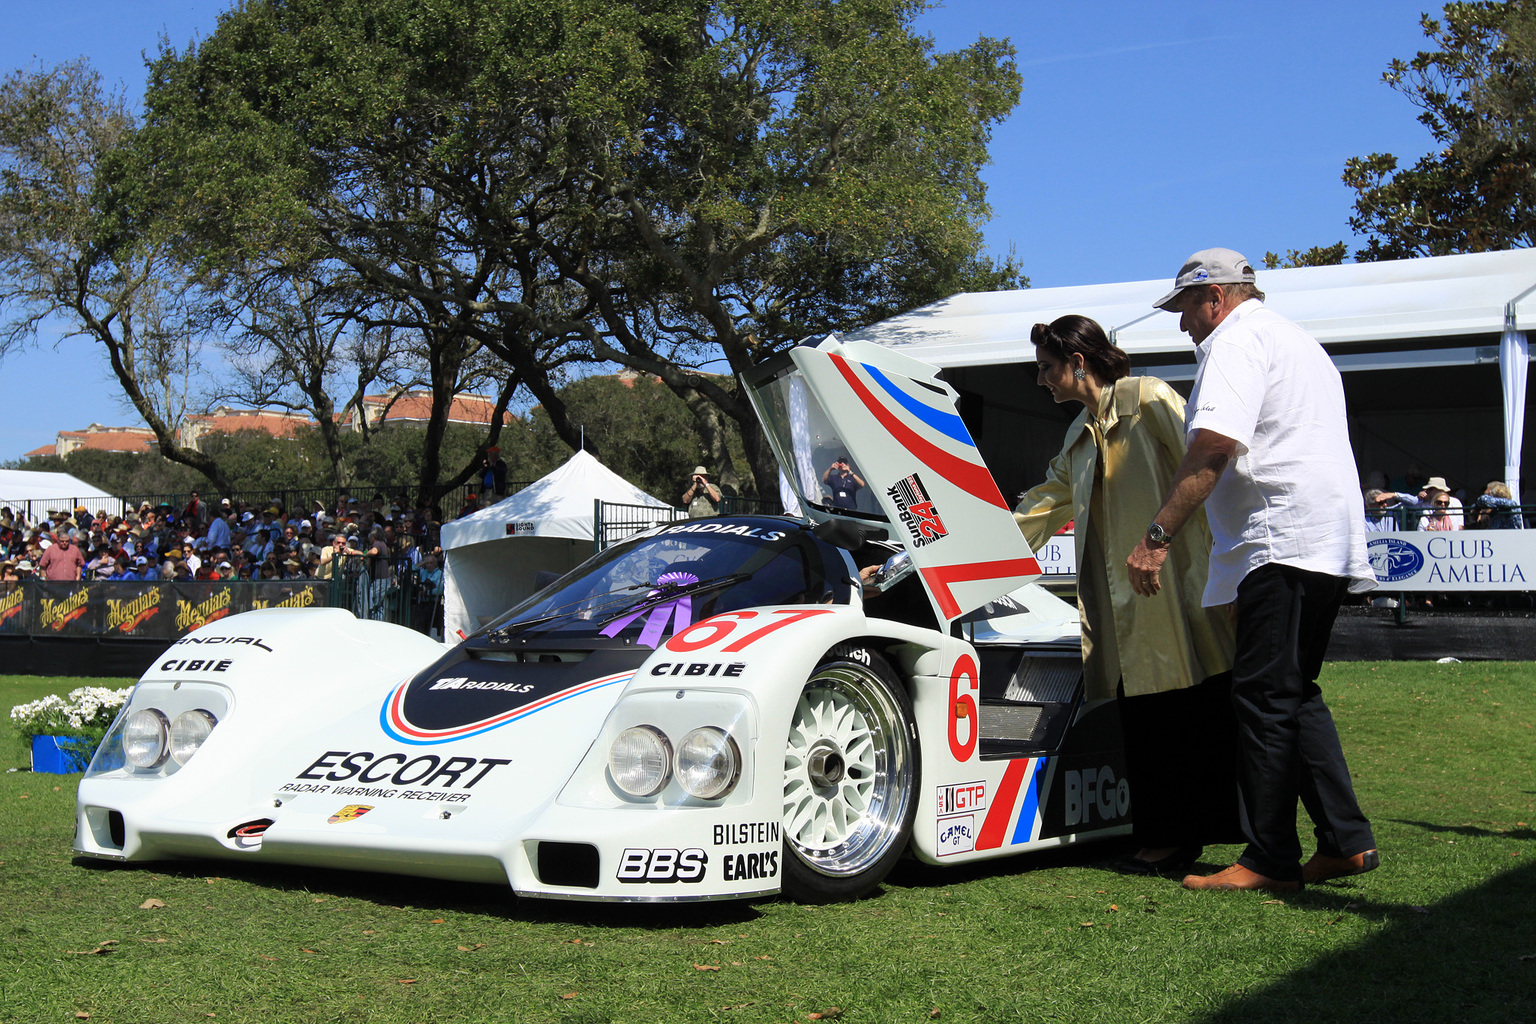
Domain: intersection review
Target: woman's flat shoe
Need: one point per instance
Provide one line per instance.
(1176, 863)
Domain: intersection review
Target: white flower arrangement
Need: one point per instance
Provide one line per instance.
(87, 711)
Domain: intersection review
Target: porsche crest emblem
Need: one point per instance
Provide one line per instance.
(351, 812)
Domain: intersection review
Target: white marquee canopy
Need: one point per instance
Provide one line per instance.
(494, 556)
(34, 493)
(1466, 301)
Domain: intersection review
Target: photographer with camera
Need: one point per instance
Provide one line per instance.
(843, 483)
(702, 498)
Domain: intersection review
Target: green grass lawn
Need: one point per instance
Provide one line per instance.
(1444, 931)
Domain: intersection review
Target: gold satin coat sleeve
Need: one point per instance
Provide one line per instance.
(1164, 642)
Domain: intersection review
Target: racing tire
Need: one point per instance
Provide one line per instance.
(850, 778)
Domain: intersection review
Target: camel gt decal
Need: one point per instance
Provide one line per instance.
(917, 512)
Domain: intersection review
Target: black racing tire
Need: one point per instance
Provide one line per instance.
(851, 768)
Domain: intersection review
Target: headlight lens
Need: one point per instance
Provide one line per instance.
(144, 738)
(640, 760)
(188, 732)
(708, 763)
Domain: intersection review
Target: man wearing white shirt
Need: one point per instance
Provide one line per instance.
(1269, 457)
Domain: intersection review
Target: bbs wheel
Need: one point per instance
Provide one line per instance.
(850, 775)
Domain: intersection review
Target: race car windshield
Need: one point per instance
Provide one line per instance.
(650, 588)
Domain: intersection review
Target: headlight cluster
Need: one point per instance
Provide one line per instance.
(706, 764)
(149, 737)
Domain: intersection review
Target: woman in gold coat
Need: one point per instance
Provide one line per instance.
(1167, 659)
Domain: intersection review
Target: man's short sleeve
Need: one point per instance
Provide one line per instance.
(1230, 391)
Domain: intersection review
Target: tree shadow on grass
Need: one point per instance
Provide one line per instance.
(1470, 831)
(1470, 957)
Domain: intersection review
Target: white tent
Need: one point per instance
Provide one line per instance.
(1444, 311)
(494, 555)
(33, 494)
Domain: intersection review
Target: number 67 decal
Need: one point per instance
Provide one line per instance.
(712, 630)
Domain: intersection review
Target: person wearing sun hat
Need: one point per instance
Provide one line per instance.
(1269, 459)
(1444, 508)
(702, 498)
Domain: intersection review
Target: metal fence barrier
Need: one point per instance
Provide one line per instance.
(1403, 517)
(612, 521)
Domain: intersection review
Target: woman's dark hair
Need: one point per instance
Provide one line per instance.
(1072, 335)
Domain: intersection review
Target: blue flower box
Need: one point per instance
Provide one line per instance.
(60, 755)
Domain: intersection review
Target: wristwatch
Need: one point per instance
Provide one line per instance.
(1157, 535)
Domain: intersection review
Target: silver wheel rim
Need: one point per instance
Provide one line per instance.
(847, 772)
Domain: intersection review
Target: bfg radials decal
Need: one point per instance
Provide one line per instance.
(641, 865)
(918, 514)
(728, 530)
(249, 641)
(1095, 795)
(394, 723)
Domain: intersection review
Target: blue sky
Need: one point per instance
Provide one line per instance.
(1146, 131)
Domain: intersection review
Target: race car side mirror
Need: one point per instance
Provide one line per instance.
(896, 568)
(842, 533)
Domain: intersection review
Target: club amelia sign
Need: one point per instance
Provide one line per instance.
(1058, 556)
(1454, 560)
(1424, 560)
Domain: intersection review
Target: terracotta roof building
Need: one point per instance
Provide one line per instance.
(225, 420)
(414, 407)
(96, 437)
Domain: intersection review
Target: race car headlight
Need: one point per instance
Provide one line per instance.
(188, 732)
(144, 738)
(640, 761)
(708, 763)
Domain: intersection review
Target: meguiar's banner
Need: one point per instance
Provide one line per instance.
(131, 609)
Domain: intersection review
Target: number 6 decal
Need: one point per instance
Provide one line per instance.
(963, 706)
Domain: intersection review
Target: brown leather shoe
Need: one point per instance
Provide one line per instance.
(1239, 877)
(1323, 867)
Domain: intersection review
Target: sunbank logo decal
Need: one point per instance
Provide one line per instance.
(1393, 560)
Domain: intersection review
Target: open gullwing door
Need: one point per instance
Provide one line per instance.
(893, 421)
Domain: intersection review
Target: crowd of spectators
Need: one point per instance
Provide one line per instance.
(378, 543)
(1435, 506)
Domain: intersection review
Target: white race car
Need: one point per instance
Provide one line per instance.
(712, 709)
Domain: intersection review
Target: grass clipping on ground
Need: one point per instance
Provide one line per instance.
(1442, 756)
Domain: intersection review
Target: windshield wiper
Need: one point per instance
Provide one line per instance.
(668, 591)
(664, 592)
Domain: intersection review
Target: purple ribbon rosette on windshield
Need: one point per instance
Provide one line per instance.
(679, 610)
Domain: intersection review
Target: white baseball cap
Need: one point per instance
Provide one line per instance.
(1209, 266)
